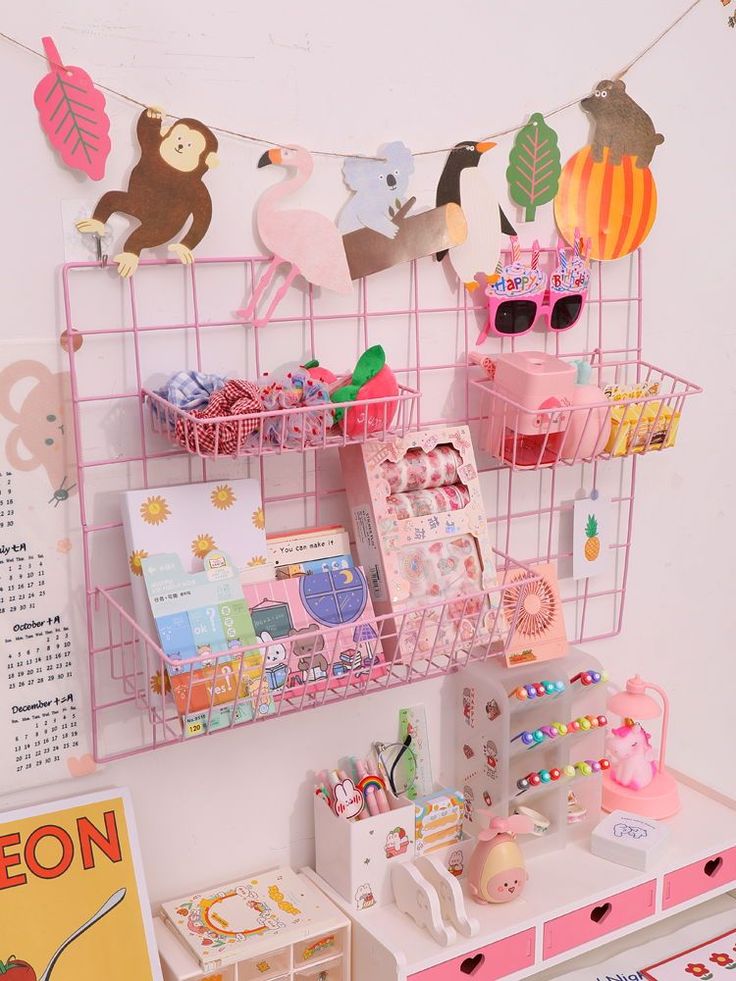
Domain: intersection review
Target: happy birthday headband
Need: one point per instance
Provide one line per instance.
(518, 279)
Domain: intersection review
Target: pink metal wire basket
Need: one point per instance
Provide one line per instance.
(279, 431)
(569, 434)
(188, 698)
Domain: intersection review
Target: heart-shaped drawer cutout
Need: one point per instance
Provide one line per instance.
(472, 964)
(599, 914)
(713, 866)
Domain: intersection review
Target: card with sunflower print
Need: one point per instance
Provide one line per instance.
(190, 520)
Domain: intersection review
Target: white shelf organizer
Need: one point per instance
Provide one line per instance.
(573, 902)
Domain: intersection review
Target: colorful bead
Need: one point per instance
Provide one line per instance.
(544, 776)
(534, 779)
(538, 736)
(527, 738)
(573, 726)
(602, 720)
(555, 774)
(522, 784)
(584, 723)
(540, 689)
(561, 728)
(549, 687)
(594, 765)
(569, 770)
(560, 685)
(605, 764)
(595, 676)
(531, 691)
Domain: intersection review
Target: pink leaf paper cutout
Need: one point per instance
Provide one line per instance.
(73, 115)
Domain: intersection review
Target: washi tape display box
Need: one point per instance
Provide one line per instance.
(422, 539)
(273, 925)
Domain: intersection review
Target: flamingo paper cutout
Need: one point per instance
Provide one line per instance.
(308, 241)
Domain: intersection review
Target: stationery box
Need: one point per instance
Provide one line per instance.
(630, 840)
(421, 536)
(318, 631)
(356, 857)
(261, 923)
(189, 520)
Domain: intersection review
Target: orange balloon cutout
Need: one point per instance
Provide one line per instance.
(612, 204)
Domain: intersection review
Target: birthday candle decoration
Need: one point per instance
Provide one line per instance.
(535, 254)
(515, 249)
(562, 252)
(577, 245)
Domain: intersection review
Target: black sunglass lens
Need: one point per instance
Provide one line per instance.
(565, 312)
(515, 316)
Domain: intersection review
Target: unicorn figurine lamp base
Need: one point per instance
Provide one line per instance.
(637, 781)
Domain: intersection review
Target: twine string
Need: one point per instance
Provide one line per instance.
(262, 141)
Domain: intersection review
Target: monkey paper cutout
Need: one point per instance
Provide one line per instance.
(621, 125)
(165, 189)
(380, 188)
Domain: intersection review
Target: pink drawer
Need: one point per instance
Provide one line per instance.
(598, 919)
(698, 878)
(487, 963)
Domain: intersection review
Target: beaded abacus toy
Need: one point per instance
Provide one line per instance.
(493, 759)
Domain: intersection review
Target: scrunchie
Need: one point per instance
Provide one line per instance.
(229, 437)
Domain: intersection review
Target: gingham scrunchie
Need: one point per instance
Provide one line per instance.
(227, 438)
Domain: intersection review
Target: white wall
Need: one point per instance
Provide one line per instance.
(347, 77)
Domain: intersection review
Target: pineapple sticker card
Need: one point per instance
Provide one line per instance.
(591, 536)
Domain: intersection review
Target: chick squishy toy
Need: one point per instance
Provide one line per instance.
(496, 872)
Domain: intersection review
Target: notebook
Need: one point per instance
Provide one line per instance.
(189, 520)
(243, 919)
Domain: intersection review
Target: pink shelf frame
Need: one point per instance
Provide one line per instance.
(114, 636)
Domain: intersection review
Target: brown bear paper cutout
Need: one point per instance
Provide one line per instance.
(164, 190)
(621, 125)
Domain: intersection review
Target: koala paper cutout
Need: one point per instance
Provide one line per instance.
(165, 189)
(380, 188)
(377, 230)
(621, 125)
(38, 438)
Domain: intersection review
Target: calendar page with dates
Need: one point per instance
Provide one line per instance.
(44, 728)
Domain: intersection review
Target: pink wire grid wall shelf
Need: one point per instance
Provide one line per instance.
(168, 317)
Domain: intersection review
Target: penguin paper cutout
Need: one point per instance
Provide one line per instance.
(463, 184)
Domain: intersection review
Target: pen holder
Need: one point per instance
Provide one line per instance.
(356, 857)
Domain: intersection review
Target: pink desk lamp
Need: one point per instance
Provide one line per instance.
(636, 781)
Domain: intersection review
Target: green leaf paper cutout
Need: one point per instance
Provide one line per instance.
(534, 166)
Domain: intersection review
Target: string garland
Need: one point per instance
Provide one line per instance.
(262, 141)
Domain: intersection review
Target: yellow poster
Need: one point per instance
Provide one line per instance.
(73, 903)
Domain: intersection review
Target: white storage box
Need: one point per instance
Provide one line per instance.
(630, 840)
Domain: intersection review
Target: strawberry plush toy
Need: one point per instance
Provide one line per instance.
(371, 379)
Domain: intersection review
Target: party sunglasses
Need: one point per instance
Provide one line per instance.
(521, 296)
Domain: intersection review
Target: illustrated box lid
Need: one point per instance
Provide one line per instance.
(629, 839)
(250, 917)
